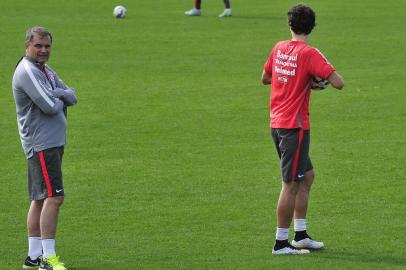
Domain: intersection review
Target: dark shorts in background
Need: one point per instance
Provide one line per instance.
(293, 150)
(45, 174)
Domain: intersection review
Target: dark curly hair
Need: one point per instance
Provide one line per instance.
(302, 19)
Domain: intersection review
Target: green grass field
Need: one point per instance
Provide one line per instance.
(169, 162)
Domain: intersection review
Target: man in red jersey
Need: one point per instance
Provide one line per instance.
(290, 69)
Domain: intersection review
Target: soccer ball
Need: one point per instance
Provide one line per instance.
(119, 12)
(319, 83)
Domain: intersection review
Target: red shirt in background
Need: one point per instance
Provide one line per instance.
(292, 65)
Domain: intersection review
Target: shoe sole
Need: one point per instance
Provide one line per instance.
(306, 246)
(29, 267)
(297, 252)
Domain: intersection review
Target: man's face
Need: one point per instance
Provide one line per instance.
(39, 48)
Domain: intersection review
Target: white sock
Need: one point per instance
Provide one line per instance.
(300, 225)
(34, 247)
(282, 233)
(48, 247)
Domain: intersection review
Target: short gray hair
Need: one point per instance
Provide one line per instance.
(37, 30)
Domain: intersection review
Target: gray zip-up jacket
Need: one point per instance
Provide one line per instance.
(41, 99)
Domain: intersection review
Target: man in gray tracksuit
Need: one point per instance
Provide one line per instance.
(41, 99)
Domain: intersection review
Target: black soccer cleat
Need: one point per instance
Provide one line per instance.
(31, 264)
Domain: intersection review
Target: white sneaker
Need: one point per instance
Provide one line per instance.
(308, 243)
(290, 251)
(193, 12)
(226, 13)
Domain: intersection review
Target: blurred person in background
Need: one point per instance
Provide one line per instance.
(196, 10)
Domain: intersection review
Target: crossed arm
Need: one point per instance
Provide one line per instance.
(68, 96)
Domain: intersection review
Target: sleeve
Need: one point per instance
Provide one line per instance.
(64, 92)
(268, 66)
(38, 91)
(68, 96)
(59, 82)
(319, 66)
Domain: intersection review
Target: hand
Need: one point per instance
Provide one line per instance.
(58, 92)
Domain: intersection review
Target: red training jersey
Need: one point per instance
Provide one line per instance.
(292, 65)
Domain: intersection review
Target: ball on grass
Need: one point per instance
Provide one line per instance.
(119, 12)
